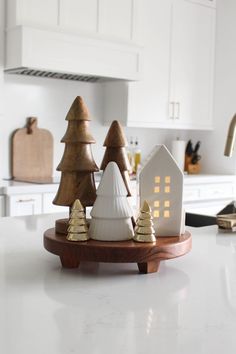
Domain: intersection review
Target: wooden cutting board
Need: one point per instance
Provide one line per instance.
(32, 152)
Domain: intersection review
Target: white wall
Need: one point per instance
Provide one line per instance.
(49, 100)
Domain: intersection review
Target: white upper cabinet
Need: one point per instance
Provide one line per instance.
(79, 14)
(32, 12)
(148, 98)
(1, 54)
(107, 18)
(176, 89)
(91, 38)
(192, 64)
(116, 18)
(209, 3)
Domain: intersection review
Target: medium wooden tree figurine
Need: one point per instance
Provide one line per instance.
(115, 143)
(77, 164)
(144, 231)
(78, 229)
(111, 213)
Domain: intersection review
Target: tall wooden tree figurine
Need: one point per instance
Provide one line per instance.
(115, 143)
(77, 164)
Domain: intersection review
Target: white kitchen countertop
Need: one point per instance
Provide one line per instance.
(14, 187)
(188, 307)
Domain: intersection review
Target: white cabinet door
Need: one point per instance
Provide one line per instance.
(148, 99)
(2, 205)
(145, 103)
(211, 3)
(176, 89)
(48, 207)
(25, 204)
(116, 18)
(79, 14)
(39, 12)
(192, 58)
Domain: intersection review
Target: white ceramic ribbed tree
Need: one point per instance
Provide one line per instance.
(111, 213)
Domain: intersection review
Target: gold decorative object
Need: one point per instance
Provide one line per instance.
(144, 231)
(226, 221)
(78, 229)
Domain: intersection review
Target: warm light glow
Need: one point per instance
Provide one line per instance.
(167, 179)
(167, 189)
(157, 189)
(156, 214)
(157, 179)
(166, 203)
(156, 204)
(166, 214)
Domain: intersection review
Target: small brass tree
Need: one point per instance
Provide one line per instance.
(78, 229)
(115, 143)
(144, 231)
(77, 164)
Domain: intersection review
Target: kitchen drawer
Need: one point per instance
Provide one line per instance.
(217, 191)
(48, 207)
(191, 193)
(23, 204)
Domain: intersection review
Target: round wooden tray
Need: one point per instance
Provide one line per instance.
(146, 255)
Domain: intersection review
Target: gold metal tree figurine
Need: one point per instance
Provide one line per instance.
(144, 231)
(77, 164)
(78, 229)
(115, 143)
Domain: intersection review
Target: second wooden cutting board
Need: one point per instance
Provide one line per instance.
(32, 152)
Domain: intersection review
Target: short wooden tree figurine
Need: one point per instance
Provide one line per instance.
(77, 164)
(115, 143)
(78, 229)
(111, 213)
(144, 231)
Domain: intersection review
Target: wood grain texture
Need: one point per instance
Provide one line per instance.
(77, 164)
(115, 136)
(76, 185)
(115, 143)
(32, 152)
(146, 255)
(77, 158)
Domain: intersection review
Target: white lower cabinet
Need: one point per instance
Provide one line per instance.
(30, 204)
(2, 205)
(208, 195)
(48, 207)
(23, 204)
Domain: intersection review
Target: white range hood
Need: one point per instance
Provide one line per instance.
(59, 54)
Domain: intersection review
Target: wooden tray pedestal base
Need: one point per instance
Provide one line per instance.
(147, 255)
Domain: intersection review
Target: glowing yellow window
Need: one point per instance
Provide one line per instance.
(167, 179)
(156, 204)
(156, 213)
(166, 203)
(157, 189)
(157, 179)
(167, 189)
(166, 214)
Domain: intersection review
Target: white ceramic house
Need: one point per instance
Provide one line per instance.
(111, 212)
(161, 184)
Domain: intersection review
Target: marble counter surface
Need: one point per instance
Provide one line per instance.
(189, 307)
